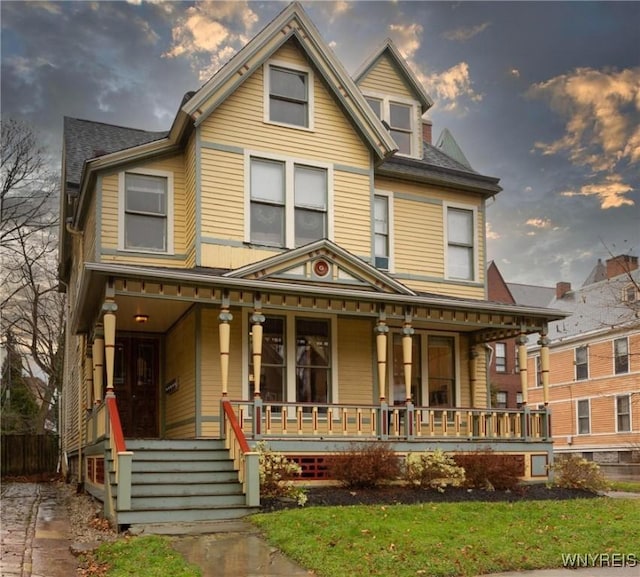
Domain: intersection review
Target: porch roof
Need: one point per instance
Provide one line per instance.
(487, 320)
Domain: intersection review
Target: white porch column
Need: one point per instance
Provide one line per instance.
(97, 350)
(522, 362)
(256, 320)
(473, 373)
(382, 330)
(109, 322)
(544, 363)
(407, 333)
(225, 317)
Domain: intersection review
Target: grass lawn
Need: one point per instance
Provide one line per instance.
(627, 486)
(450, 539)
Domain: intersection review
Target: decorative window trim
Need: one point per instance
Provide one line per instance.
(267, 92)
(578, 401)
(416, 127)
(121, 209)
(390, 231)
(445, 212)
(616, 414)
(290, 162)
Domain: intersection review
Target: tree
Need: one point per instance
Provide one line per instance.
(32, 308)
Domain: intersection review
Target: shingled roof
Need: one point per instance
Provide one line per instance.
(86, 139)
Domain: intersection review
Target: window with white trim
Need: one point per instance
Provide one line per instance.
(288, 95)
(621, 355)
(288, 202)
(584, 417)
(623, 413)
(518, 400)
(398, 118)
(501, 400)
(382, 230)
(460, 243)
(582, 363)
(146, 198)
(501, 358)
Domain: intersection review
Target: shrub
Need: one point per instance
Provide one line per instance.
(433, 470)
(364, 465)
(574, 472)
(276, 475)
(488, 470)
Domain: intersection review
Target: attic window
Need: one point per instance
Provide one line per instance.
(397, 117)
(288, 95)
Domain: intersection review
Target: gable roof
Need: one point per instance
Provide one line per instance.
(449, 146)
(531, 295)
(343, 268)
(293, 22)
(389, 48)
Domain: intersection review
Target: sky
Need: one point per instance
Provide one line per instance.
(543, 95)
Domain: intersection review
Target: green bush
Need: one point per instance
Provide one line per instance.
(364, 465)
(435, 470)
(277, 474)
(489, 470)
(574, 472)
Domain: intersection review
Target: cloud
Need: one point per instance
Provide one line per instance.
(464, 33)
(491, 234)
(514, 72)
(602, 112)
(208, 34)
(407, 38)
(539, 222)
(610, 192)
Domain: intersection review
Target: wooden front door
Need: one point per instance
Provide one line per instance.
(136, 384)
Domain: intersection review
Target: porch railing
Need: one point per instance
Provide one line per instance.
(259, 419)
(245, 461)
(121, 458)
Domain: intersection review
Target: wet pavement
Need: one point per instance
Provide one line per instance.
(36, 541)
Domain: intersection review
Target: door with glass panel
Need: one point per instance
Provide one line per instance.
(441, 371)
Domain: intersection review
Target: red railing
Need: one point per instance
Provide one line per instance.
(115, 425)
(237, 431)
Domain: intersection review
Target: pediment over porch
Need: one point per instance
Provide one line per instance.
(321, 263)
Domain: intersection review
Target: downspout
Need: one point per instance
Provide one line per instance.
(489, 359)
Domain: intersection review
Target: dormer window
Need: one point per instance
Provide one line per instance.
(288, 95)
(398, 118)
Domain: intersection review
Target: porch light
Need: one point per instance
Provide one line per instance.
(141, 318)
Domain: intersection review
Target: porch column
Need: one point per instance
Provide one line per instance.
(473, 373)
(256, 320)
(89, 390)
(382, 330)
(225, 317)
(97, 350)
(407, 333)
(109, 322)
(544, 363)
(522, 362)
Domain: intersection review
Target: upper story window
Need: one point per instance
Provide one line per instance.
(584, 417)
(399, 119)
(582, 363)
(501, 400)
(501, 358)
(288, 95)
(461, 246)
(630, 294)
(621, 355)
(623, 413)
(146, 198)
(382, 230)
(288, 202)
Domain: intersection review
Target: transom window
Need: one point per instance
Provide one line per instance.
(501, 357)
(582, 363)
(460, 243)
(584, 417)
(382, 222)
(288, 95)
(398, 118)
(146, 198)
(288, 202)
(621, 355)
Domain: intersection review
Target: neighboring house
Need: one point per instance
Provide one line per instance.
(594, 379)
(504, 373)
(292, 261)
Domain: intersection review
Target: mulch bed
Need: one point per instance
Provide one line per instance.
(400, 495)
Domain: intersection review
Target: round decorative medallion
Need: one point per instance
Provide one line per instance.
(321, 268)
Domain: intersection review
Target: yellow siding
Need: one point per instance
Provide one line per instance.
(232, 257)
(110, 199)
(89, 236)
(384, 77)
(180, 364)
(352, 212)
(239, 121)
(222, 184)
(355, 367)
(190, 201)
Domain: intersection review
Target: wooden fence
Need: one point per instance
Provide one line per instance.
(29, 454)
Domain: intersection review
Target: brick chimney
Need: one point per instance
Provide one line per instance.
(427, 127)
(621, 264)
(562, 288)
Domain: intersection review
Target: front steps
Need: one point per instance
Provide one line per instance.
(180, 482)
